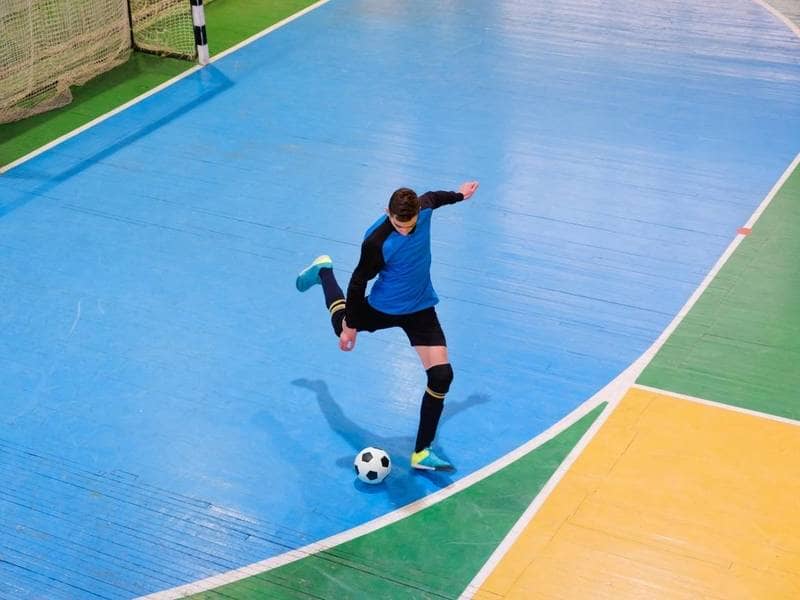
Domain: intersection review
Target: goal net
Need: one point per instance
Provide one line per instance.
(163, 27)
(46, 46)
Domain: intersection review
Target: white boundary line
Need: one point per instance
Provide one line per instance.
(269, 30)
(728, 407)
(97, 120)
(157, 89)
(629, 375)
(783, 18)
(522, 523)
(394, 516)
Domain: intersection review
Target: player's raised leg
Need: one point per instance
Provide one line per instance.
(309, 277)
(320, 271)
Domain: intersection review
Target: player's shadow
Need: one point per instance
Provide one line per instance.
(396, 446)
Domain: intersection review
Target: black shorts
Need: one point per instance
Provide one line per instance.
(421, 327)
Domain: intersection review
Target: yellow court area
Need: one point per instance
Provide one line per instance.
(671, 499)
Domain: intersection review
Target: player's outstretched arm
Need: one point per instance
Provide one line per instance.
(435, 200)
(468, 188)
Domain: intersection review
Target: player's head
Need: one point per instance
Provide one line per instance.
(403, 210)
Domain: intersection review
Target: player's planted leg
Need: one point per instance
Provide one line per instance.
(439, 379)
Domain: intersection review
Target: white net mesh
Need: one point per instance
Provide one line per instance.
(48, 45)
(163, 27)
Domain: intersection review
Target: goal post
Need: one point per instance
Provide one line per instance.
(200, 37)
(166, 27)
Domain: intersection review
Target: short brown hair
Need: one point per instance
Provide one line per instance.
(404, 204)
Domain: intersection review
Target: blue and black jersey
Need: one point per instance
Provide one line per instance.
(400, 262)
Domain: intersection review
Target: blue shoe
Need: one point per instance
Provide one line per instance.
(426, 460)
(309, 277)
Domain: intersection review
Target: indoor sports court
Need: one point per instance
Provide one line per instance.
(620, 297)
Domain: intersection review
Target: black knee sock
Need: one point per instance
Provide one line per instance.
(429, 415)
(439, 379)
(334, 298)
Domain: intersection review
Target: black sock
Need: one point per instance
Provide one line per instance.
(334, 298)
(439, 379)
(330, 286)
(429, 414)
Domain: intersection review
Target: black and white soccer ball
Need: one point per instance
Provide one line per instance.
(372, 465)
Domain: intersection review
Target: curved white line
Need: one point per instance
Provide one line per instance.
(257, 568)
(783, 18)
(611, 393)
(632, 373)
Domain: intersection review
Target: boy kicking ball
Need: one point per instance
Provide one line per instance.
(397, 250)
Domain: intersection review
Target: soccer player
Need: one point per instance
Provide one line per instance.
(397, 250)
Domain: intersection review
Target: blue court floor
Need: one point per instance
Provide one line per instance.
(173, 408)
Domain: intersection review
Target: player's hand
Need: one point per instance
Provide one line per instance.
(347, 339)
(468, 188)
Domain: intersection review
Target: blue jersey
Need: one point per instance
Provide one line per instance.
(402, 264)
(404, 283)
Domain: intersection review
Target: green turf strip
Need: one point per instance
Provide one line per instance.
(228, 22)
(740, 343)
(434, 553)
(141, 73)
(231, 21)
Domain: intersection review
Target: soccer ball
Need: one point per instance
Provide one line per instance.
(372, 465)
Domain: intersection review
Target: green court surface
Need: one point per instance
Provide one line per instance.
(434, 553)
(228, 22)
(740, 344)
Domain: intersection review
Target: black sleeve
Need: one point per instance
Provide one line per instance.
(369, 265)
(437, 199)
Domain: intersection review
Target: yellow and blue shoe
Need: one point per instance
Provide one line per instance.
(427, 460)
(309, 277)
